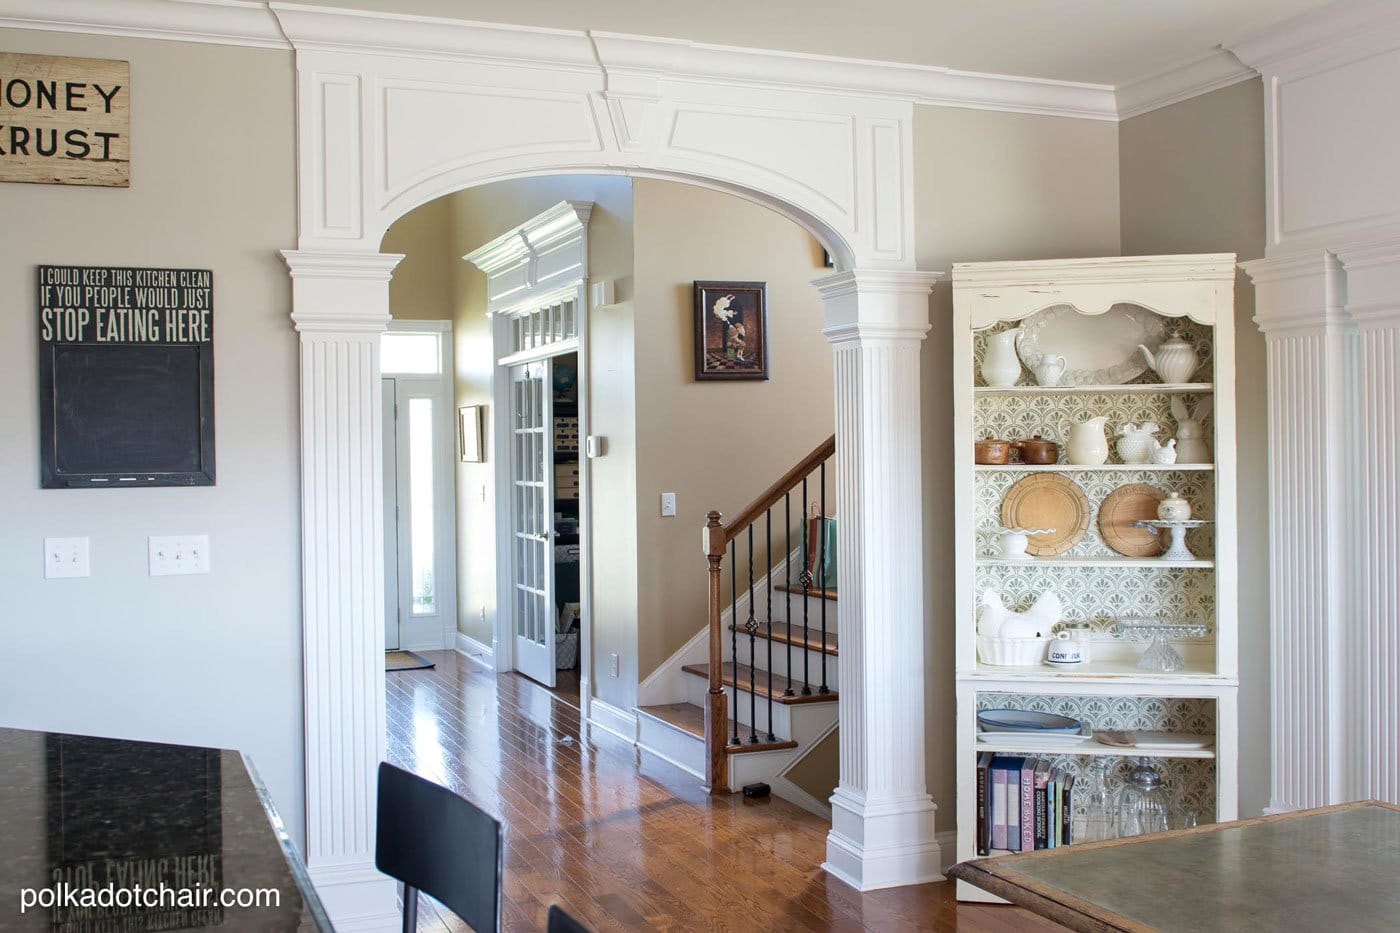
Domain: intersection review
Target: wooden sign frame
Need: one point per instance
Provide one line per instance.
(99, 338)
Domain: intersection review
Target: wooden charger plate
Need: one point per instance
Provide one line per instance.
(1047, 500)
(1134, 502)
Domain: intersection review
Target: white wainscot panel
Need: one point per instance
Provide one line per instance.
(428, 128)
(814, 151)
(1338, 147)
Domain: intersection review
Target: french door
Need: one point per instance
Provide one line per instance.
(532, 520)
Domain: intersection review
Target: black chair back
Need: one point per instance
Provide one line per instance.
(434, 841)
(561, 922)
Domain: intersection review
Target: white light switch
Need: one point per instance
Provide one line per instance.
(668, 505)
(66, 557)
(174, 554)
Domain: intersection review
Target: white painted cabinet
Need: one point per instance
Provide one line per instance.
(1089, 310)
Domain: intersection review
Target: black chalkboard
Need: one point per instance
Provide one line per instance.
(126, 371)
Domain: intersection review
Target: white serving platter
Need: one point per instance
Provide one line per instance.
(1099, 349)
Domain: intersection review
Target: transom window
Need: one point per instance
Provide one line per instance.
(551, 324)
(407, 354)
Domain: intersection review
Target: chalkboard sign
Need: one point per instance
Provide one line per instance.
(126, 376)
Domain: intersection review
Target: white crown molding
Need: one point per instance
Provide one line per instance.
(218, 22)
(1199, 267)
(1184, 80)
(1316, 31)
(562, 221)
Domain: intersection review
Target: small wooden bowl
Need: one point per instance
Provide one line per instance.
(1037, 450)
(991, 450)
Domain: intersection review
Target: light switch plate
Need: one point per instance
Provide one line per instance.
(668, 505)
(66, 557)
(178, 554)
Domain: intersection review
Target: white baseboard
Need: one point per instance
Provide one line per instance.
(611, 719)
(358, 898)
(476, 651)
(948, 844)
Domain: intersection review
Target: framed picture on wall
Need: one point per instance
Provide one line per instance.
(731, 330)
(469, 434)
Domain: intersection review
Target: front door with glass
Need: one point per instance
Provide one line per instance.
(532, 520)
(413, 607)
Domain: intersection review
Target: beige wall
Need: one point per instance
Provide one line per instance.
(717, 445)
(1192, 182)
(206, 660)
(988, 186)
(424, 284)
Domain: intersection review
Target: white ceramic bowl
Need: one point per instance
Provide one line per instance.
(1011, 652)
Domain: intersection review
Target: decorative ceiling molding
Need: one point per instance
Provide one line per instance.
(218, 22)
(1193, 77)
(563, 221)
(1317, 31)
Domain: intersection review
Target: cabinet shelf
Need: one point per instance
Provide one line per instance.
(1097, 468)
(1119, 673)
(1136, 388)
(1147, 563)
(1092, 747)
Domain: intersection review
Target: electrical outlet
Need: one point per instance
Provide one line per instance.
(66, 557)
(178, 554)
(616, 666)
(668, 505)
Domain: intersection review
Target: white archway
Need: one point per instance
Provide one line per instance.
(393, 112)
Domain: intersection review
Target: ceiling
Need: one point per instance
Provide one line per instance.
(1097, 41)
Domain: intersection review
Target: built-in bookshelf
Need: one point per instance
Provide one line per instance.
(1097, 585)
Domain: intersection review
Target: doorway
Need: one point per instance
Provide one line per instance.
(547, 608)
(420, 589)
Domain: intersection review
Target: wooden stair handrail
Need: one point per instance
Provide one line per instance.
(785, 484)
(718, 536)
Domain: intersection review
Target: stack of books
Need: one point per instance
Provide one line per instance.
(1023, 804)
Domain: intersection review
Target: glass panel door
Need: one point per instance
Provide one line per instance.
(532, 521)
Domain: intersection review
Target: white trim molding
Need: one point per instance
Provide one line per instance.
(216, 22)
(1184, 80)
(477, 651)
(620, 722)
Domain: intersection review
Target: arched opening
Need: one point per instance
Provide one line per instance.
(709, 444)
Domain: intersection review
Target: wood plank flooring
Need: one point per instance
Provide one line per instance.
(625, 841)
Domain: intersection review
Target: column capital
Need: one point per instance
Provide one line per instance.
(1373, 282)
(1299, 291)
(888, 304)
(340, 291)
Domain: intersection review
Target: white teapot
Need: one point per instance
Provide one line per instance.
(1174, 362)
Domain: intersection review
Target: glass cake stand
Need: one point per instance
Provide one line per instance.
(1161, 656)
(1177, 550)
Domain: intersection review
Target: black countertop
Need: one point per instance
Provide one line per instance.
(94, 818)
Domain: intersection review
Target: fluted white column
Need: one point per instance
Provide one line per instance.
(340, 306)
(1373, 302)
(1311, 344)
(882, 831)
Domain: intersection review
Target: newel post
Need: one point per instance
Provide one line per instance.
(882, 831)
(716, 700)
(340, 306)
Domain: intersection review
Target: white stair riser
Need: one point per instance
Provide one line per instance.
(790, 720)
(675, 745)
(780, 661)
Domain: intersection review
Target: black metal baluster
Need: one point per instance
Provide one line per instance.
(752, 626)
(821, 529)
(734, 635)
(806, 578)
(768, 531)
(787, 582)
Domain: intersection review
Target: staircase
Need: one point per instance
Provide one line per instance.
(758, 686)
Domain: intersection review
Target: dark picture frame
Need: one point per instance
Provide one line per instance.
(731, 331)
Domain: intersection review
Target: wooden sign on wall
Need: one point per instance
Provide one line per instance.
(65, 121)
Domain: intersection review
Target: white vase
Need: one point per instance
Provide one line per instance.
(1001, 366)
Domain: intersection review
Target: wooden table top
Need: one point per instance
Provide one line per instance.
(1333, 868)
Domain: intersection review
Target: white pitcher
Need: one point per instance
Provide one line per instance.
(1001, 366)
(1088, 444)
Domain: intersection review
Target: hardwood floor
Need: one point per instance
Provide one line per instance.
(625, 841)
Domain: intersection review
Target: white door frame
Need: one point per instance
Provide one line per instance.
(394, 111)
(419, 633)
(535, 264)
